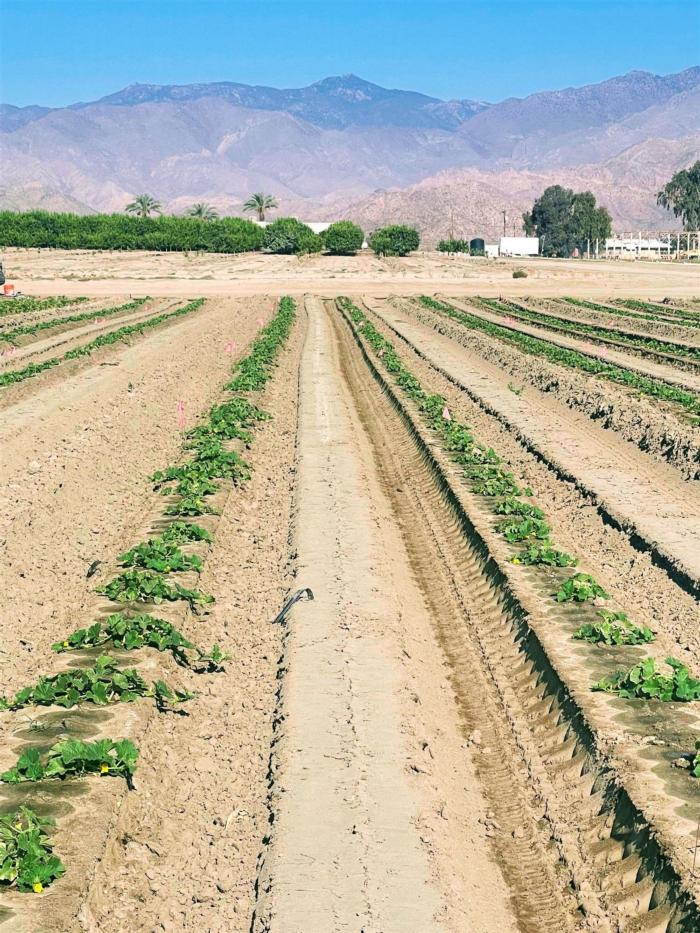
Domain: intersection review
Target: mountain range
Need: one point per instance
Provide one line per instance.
(344, 147)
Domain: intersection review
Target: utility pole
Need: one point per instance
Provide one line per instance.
(504, 222)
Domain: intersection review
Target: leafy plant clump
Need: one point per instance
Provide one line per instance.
(580, 588)
(512, 506)
(343, 238)
(515, 528)
(102, 684)
(453, 246)
(394, 240)
(696, 760)
(645, 682)
(157, 554)
(289, 235)
(27, 861)
(130, 632)
(148, 586)
(614, 628)
(542, 552)
(74, 758)
(191, 506)
(182, 532)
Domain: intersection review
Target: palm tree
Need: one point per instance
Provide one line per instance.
(144, 205)
(202, 211)
(259, 203)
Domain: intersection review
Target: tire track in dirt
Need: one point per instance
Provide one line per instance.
(624, 821)
(647, 368)
(360, 770)
(658, 511)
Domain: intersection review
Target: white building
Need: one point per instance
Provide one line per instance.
(519, 246)
(491, 250)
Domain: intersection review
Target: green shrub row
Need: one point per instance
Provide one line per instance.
(286, 235)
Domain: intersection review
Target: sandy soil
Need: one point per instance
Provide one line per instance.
(357, 839)
(416, 749)
(52, 272)
(648, 500)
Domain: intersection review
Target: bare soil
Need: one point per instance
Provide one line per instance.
(418, 748)
(61, 272)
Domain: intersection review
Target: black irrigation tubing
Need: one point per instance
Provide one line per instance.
(295, 597)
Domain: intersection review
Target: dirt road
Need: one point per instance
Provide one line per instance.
(162, 275)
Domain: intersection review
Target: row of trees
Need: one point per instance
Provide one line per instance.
(36, 229)
(144, 205)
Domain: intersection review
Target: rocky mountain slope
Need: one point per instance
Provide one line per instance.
(346, 145)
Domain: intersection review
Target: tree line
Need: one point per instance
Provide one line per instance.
(195, 233)
(562, 219)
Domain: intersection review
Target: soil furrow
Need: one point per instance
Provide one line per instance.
(659, 512)
(603, 756)
(365, 815)
(658, 371)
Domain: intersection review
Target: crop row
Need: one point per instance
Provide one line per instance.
(104, 340)
(604, 334)
(634, 304)
(524, 527)
(27, 860)
(536, 346)
(636, 310)
(24, 305)
(10, 336)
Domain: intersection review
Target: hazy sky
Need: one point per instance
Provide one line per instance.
(57, 52)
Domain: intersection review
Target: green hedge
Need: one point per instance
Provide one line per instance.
(394, 240)
(120, 231)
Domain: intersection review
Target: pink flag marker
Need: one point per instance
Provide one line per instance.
(230, 346)
(181, 414)
(602, 351)
(508, 319)
(446, 414)
(99, 320)
(260, 322)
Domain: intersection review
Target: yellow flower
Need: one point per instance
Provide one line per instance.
(104, 769)
(65, 644)
(18, 826)
(516, 560)
(37, 887)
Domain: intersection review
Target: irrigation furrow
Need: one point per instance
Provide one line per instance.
(45, 347)
(687, 381)
(619, 816)
(672, 352)
(629, 494)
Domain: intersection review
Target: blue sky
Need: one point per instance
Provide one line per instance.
(55, 52)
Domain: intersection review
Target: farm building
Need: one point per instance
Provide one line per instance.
(519, 246)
